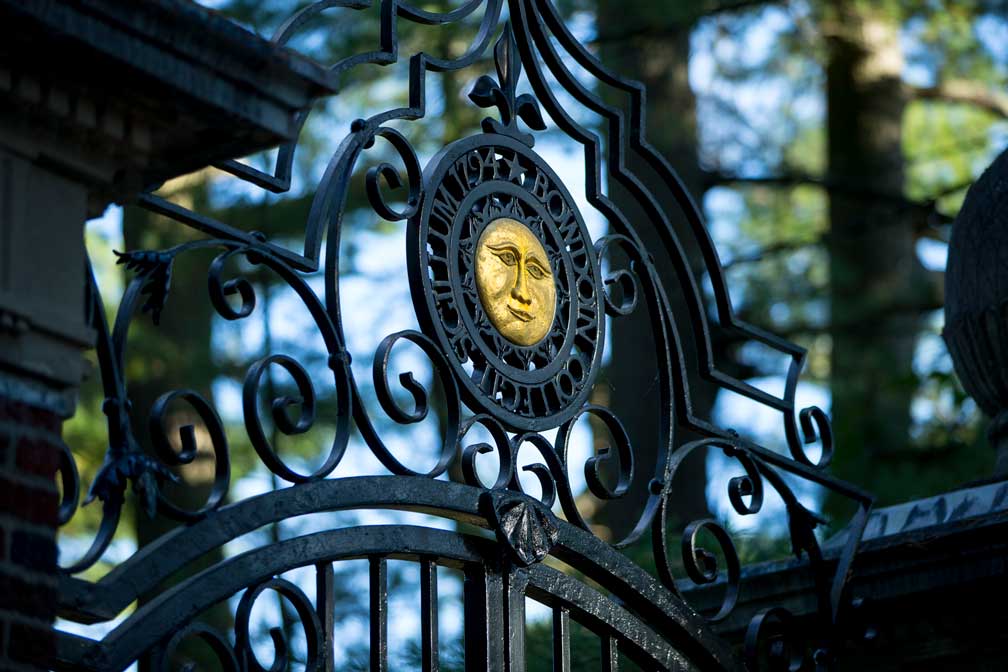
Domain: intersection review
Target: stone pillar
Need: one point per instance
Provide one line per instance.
(43, 331)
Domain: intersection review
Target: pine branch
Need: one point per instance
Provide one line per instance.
(951, 189)
(795, 179)
(772, 250)
(682, 23)
(806, 329)
(924, 228)
(965, 92)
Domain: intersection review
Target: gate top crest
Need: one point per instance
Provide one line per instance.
(512, 295)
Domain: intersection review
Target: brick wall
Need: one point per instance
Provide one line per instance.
(29, 456)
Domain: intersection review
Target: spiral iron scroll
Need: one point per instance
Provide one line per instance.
(230, 657)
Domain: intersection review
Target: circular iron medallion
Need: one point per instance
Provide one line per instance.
(504, 276)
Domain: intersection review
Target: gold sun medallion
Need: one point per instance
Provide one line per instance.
(506, 282)
(515, 282)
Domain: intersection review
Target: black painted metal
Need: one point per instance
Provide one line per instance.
(976, 291)
(561, 640)
(379, 613)
(515, 393)
(429, 615)
(610, 655)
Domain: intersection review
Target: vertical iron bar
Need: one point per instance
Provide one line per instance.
(379, 613)
(514, 619)
(484, 619)
(495, 624)
(429, 615)
(325, 597)
(610, 654)
(475, 622)
(561, 640)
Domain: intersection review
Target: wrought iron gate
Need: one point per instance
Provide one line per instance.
(512, 294)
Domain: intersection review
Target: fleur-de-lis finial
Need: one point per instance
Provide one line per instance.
(487, 92)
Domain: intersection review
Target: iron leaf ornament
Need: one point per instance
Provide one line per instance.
(144, 472)
(156, 268)
(524, 526)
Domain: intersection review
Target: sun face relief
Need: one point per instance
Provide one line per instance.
(515, 282)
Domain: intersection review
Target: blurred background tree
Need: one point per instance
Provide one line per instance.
(857, 197)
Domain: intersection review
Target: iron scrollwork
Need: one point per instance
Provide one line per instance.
(512, 296)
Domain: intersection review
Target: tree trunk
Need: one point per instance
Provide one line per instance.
(874, 272)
